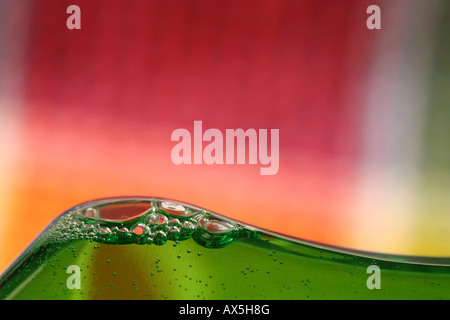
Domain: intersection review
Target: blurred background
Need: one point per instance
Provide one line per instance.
(363, 114)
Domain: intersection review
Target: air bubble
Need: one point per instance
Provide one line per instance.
(92, 213)
(174, 222)
(178, 210)
(114, 230)
(159, 238)
(140, 229)
(187, 229)
(173, 233)
(214, 225)
(189, 225)
(157, 221)
(89, 228)
(124, 234)
(214, 233)
(173, 208)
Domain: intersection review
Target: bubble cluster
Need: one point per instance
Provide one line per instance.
(164, 221)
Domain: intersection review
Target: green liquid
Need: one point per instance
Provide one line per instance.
(176, 251)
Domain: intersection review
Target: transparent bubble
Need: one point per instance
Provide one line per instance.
(89, 227)
(178, 210)
(174, 222)
(140, 229)
(158, 220)
(214, 233)
(173, 233)
(173, 208)
(124, 234)
(92, 213)
(214, 225)
(187, 229)
(114, 230)
(159, 238)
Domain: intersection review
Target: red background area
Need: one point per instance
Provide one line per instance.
(100, 105)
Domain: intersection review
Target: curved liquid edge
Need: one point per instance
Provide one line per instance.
(238, 230)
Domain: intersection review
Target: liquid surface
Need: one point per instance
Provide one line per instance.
(160, 249)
